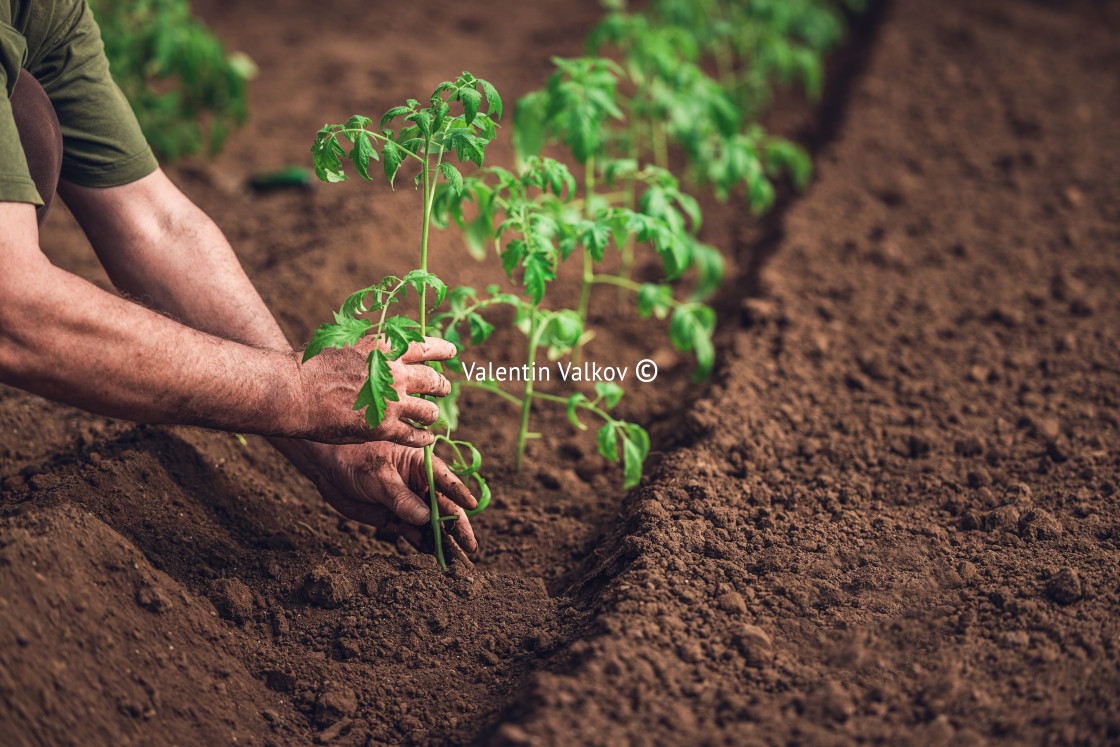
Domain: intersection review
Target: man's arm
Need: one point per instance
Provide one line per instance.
(159, 247)
(66, 339)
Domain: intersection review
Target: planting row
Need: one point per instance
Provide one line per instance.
(683, 86)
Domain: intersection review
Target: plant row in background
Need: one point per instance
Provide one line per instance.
(185, 89)
(684, 87)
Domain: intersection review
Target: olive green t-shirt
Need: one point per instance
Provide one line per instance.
(58, 42)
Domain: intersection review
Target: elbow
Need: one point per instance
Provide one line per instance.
(24, 299)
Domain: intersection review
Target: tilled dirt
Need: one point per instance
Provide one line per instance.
(890, 517)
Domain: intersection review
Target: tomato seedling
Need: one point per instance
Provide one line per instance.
(428, 135)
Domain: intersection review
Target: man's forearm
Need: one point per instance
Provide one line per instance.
(170, 255)
(157, 246)
(65, 339)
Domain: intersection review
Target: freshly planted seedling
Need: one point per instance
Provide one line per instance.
(427, 135)
(535, 223)
(643, 204)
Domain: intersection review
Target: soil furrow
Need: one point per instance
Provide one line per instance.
(898, 522)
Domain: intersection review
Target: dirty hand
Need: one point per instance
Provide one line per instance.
(329, 385)
(384, 485)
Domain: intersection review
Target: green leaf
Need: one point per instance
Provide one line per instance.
(529, 124)
(362, 151)
(471, 99)
(690, 330)
(574, 402)
(444, 86)
(675, 251)
(480, 328)
(423, 120)
(467, 147)
(357, 122)
(595, 236)
(378, 390)
(710, 265)
(610, 392)
(396, 111)
(478, 232)
(538, 273)
(563, 329)
(391, 159)
(607, 440)
(399, 331)
(654, 300)
(453, 177)
(420, 278)
(345, 331)
(618, 167)
(493, 100)
(635, 448)
(326, 156)
(356, 303)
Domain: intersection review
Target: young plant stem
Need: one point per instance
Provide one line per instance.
(631, 198)
(433, 496)
(536, 395)
(588, 262)
(625, 284)
(527, 396)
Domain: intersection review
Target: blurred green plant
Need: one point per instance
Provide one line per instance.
(185, 89)
(689, 74)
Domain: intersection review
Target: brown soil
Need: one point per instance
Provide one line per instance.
(892, 516)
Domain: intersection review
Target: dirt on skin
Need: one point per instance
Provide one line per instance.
(890, 517)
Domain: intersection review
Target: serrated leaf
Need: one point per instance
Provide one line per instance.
(710, 266)
(493, 100)
(362, 152)
(595, 236)
(357, 302)
(391, 159)
(326, 156)
(357, 122)
(418, 279)
(538, 273)
(396, 111)
(472, 100)
(345, 331)
(423, 120)
(399, 331)
(675, 251)
(609, 391)
(444, 86)
(453, 177)
(377, 391)
(690, 330)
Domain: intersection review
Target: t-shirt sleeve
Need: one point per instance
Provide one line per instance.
(15, 180)
(101, 139)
